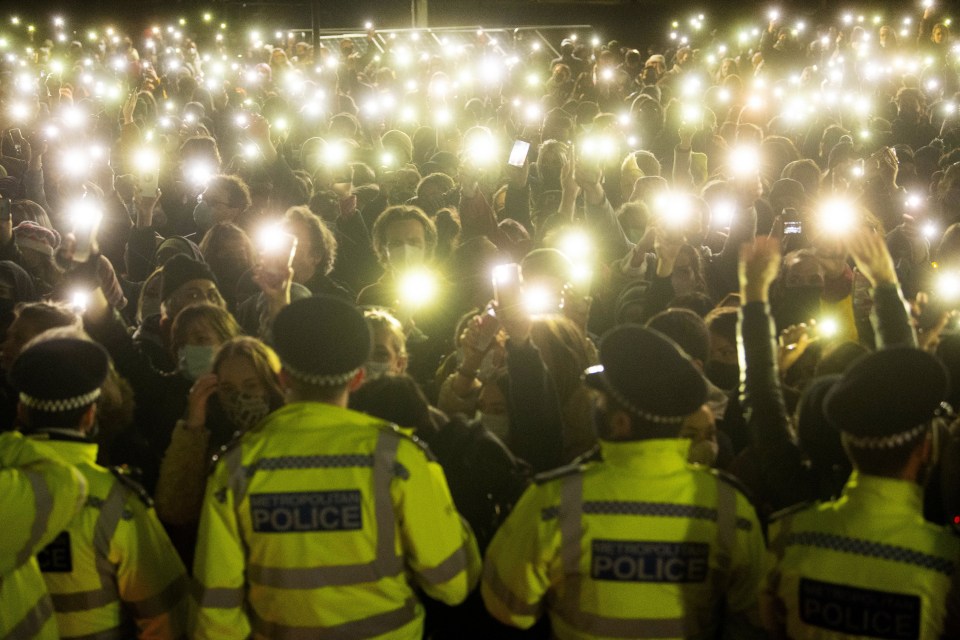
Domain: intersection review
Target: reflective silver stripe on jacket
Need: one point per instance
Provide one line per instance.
(368, 627)
(386, 564)
(42, 506)
(33, 620)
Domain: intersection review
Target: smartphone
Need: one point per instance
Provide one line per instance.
(5, 204)
(507, 281)
(149, 181)
(791, 222)
(519, 153)
(85, 232)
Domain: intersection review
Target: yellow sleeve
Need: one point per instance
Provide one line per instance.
(516, 572)
(219, 565)
(746, 573)
(151, 579)
(773, 611)
(438, 544)
(39, 495)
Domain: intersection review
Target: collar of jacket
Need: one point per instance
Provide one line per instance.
(888, 495)
(307, 416)
(74, 451)
(652, 456)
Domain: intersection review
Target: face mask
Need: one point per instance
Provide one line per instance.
(724, 375)
(497, 424)
(195, 360)
(375, 370)
(405, 256)
(203, 216)
(245, 410)
(703, 452)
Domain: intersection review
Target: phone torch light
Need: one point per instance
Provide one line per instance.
(606, 74)
(948, 286)
(79, 301)
(503, 274)
(386, 160)
(676, 209)
(722, 214)
(199, 174)
(272, 238)
(418, 288)
(745, 161)
(251, 151)
(335, 154)
(837, 216)
(443, 117)
(828, 327)
(84, 215)
(930, 231)
(146, 160)
(576, 245)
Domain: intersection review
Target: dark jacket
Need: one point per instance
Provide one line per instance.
(780, 474)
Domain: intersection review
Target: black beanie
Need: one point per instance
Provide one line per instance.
(180, 270)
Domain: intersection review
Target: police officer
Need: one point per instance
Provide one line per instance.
(113, 573)
(637, 542)
(39, 495)
(868, 565)
(320, 522)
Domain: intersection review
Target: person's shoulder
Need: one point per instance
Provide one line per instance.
(407, 442)
(137, 498)
(580, 465)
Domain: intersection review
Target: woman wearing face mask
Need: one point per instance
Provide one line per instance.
(241, 389)
(197, 332)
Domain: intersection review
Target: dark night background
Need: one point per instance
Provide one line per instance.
(638, 22)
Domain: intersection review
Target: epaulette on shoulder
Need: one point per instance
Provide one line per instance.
(559, 472)
(733, 481)
(232, 443)
(393, 429)
(790, 511)
(124, 477)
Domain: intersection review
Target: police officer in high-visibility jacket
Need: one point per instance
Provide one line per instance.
(39, 495)
(320, 521)
(113, 573)
(637, 542)
(868, 565)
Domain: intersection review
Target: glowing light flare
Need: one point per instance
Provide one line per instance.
(675, 209)
(745, 160)
(837, 216)
(417, 288)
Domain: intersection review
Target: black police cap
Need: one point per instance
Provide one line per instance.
(59, 375)
(648, 374)
(322, 340)
(886, 395)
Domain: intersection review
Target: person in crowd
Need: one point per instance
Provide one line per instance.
(373, 489)
(113, 567)
(241, 390)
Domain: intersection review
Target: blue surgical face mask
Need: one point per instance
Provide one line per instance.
(203, 216)
(195, 360)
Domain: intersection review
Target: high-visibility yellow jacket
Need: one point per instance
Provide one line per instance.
(113, 573)
(318, 523)
(866, 565)
(638, 545)
(39, 494)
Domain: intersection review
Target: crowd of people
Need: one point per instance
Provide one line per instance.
(482, 334)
